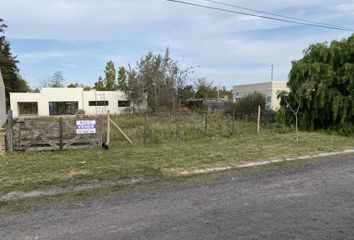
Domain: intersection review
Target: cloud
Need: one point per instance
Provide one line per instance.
(79, 36)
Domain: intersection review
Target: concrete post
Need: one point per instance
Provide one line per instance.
(2, 102)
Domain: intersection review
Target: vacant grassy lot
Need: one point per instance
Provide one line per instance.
(189, 126)
(49, 169)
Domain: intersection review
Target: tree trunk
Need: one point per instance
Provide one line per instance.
(156, 100)
(296, 128)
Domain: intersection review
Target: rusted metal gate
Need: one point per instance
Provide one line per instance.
(52, 134)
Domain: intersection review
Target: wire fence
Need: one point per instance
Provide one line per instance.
(164, 127)
(39, 134)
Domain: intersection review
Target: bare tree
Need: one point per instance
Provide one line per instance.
(43, 81)
(55, 81)
(295, 98)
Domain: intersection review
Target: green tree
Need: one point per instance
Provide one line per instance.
(327, 73)
(110, 77)
(205, 89)
(224, 93)
(73, 85)
(158, 78)
(8, 65)
(99, 85)
(186, 92)
(122, 79)
(135, 88)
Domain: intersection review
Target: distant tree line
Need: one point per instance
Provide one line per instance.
(159, 79)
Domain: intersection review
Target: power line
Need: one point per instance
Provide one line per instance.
(262, 16)
(272, 14)
(299, 21)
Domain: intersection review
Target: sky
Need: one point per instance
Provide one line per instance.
(78, 37)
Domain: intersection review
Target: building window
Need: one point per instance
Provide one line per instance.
(98, 103)
(28, 108)
(124, 103)
(63, 108)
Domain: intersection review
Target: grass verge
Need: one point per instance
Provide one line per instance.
(82, 198)
(30, 171)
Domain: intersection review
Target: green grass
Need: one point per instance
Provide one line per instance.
(162, 127)
(29, 171)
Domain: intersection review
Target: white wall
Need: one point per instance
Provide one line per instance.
(15, 98)
(47, 95)
(2, 102)
(276, 88)
(2, 106)
(62, 95)
(111, 96)
(269, 89)
(243, 90)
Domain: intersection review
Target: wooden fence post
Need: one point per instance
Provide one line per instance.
(206, 124)
(19, 136)
(2, 143)
(61, 143)
(122, 132)
(258, 119)
(145, 127)
(10, 132)
(233, 123)
(108, 128)
(283, 118)
(178, 115)
(100, 129)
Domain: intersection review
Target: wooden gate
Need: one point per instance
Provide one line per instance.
(52, 134)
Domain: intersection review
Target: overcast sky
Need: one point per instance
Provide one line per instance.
(78, 37)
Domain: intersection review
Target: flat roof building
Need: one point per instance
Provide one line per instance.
(269, 89)
(67, 101)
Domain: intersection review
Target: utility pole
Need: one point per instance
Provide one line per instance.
(272, 74)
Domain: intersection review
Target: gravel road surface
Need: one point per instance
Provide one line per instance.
(311, 201)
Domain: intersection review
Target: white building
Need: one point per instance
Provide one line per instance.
(269, 89)
(67, 101)
(2, 101)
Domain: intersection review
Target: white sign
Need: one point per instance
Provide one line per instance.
(86, 127)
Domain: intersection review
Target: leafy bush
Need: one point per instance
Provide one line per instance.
(247, 108)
